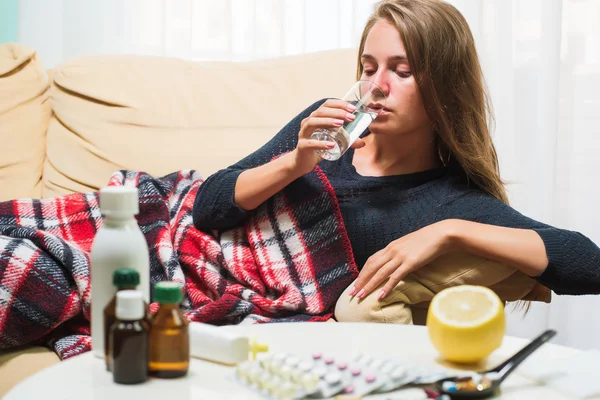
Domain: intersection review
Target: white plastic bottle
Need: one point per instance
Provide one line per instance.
(119, 243)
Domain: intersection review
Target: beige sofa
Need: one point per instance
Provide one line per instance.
(67, 130)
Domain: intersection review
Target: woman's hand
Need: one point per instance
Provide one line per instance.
(401, 257)
(331, 114)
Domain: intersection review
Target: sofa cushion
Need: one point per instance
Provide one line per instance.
(159, 114)
(24, 114)
(20, 363)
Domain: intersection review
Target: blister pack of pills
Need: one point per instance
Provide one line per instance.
(286, 376)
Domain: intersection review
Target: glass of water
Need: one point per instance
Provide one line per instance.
(369, 100)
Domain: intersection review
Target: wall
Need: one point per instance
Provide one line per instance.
(8, 20)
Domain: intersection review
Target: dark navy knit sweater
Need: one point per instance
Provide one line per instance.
(378, 210)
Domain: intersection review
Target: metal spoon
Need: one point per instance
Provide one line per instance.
(469, 388)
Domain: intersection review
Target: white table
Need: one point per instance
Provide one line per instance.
(84, 377)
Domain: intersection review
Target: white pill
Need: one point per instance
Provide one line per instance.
(292, 361)
(377, 363)
(272, 384)
(320, 371)
(366, 360)
(388, 367)
(285, 372)
(266, 364)
(305, 366)
(263, 379)
(279, 357)
(265, 357)
(492, 376)
(265, 361)
(287, 391)
(357, 357)
(309, 381)
(253, 374)
(275, 366)
(296, 375)
(398, 373)
(333, 378)
(448, 386)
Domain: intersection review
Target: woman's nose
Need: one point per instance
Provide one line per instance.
(382, 79)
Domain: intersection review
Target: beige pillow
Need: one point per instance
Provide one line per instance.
(24, 114)
(160, 115)
(409, 301)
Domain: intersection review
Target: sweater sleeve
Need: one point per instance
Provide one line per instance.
(574, 260)
(214, 205)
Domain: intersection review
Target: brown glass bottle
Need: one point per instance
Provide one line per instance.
(129, 339)
(123, 279)
(169, 335)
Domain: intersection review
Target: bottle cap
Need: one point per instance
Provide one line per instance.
(126, 277)
(119, 201)
(168, 292)
(130, 305)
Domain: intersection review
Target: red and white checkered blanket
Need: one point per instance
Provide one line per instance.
(289, 262)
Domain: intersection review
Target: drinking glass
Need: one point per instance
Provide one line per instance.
(369, 100)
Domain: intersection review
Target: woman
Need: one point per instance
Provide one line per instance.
(424, 181)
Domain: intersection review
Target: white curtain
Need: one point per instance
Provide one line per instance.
(235, 30)
(541, 60)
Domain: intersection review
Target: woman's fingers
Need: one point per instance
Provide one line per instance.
(370, 268)
(310, 124)
(394, 279)
(332, 110)
(313, 144)
(337, 113)
(337, 103)
(380, 275)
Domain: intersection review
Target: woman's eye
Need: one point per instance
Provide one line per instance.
(368, 72)
(403, 74)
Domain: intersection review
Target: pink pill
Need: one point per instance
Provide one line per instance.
(342, 366)
(349, 389)
(328, 360)
(370, 378)
(317, 356)
(355, 371)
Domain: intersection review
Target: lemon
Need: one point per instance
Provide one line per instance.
(466, 323)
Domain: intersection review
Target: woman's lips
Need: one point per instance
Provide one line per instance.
(379, 109)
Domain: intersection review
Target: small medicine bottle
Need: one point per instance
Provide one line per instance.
(123, 279)
(129, 339)
(169, 335)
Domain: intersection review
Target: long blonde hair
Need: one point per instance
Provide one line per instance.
(443, 59)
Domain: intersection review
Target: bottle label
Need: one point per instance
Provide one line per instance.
(169, 349)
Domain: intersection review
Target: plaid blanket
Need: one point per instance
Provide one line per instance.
(290, 261)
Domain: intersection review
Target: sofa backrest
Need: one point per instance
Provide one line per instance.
(161, 115)
(24, 115)
(99, 114)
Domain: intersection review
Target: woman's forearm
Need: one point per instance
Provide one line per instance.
(521, 248)
(254, 186)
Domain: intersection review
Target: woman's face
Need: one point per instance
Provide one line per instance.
(384, 62)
